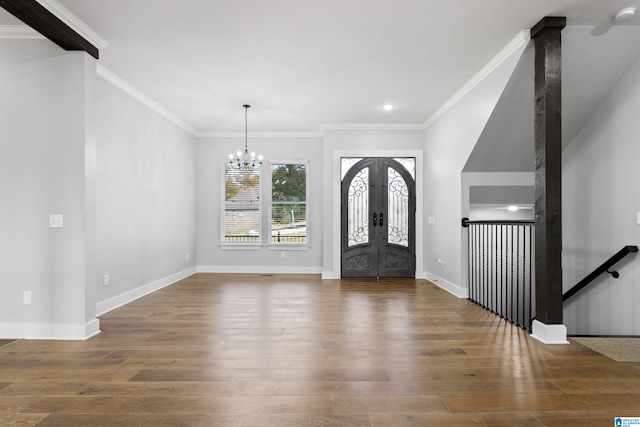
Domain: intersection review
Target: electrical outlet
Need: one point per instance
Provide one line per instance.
(105, 280)
(283, 254)
(26, 297)
(56, 221)
(186, 257)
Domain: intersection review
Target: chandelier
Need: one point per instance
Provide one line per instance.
(245, 161)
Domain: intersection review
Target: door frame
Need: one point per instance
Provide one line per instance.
(336, 205)
(380, 252)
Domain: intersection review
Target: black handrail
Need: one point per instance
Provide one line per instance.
(467, 221)
(604, 268)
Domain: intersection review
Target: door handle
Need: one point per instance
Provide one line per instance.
(375, 219)
(381, 216)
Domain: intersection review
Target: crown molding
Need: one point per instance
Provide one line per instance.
(260, 135)
(324, 127)
(144, 99)
(19, 32)
(63, 14)
(520, 40)
(372, 126)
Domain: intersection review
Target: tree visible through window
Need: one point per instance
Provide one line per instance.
(241, 205)
(288, 222)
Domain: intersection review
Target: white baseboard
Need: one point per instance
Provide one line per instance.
(549, 334)
(92, 328)
(421, 275)
(450, 287)
(50, 331)
(132, 295)
(258, 269)
(328, 275)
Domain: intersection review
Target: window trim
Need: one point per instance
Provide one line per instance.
(224, 245)
(288, 246)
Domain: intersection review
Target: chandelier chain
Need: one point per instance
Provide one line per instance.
(246, 126)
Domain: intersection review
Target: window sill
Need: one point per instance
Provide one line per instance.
(288, 247)
(240, 246)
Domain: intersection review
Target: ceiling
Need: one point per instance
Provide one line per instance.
(594, 60)
(305, 66)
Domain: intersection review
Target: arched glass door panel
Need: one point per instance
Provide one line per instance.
(358, 208)
(398, 208)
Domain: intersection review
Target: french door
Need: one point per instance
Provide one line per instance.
(378, 205)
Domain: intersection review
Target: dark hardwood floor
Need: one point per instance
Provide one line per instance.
(249, 350)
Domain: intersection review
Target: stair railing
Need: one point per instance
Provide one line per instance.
(604, 268)
(501, 267)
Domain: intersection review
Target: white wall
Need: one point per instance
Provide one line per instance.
(122, 176)
(46, 108)
(600, 199)
(211, 152)
(363, 143)
(491, 213)
(493, 192)
(449, 142)
(145, 199)
(323, 205)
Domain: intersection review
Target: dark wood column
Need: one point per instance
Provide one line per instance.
(46, 23)
(548, 174)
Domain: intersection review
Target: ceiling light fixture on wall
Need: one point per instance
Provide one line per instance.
(244, 160)
(388, 107)
(624, 14)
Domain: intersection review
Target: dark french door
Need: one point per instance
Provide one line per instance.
(378, 219)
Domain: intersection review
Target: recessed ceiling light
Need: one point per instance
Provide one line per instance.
(624, 14)
(388, 107)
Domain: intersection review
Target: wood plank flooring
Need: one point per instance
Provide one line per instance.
(250, 350)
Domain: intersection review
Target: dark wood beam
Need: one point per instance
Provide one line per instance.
(46, 23)
(548, 165)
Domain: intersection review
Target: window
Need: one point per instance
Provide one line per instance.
(288, 205)
(242, 212)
